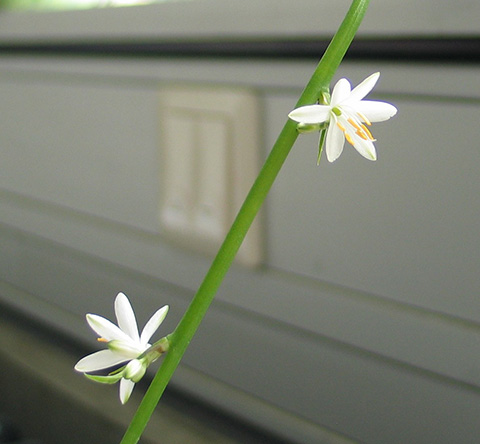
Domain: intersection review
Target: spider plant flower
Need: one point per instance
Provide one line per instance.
(127, 350)
(345, 115)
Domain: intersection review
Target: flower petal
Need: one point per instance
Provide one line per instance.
(152, 325)
(311, 114)
(366, 148)
(99, 361)
(126, 316)
(375, 111)
(334, 142)
(106, 329)
(129, 350)
(361, 90)
(341, 91)
(109, 379)
(126, 388)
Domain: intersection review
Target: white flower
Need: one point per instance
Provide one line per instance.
(125, 346)
(346, 116)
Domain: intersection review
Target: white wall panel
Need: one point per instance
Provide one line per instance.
(227, 18)
(87, 147)
(404, 227)
(367, 303)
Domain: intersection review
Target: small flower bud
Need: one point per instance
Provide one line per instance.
(135, 370)
(324, 98)
(304, 128)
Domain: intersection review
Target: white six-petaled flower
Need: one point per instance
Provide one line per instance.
(125, 346)
(346, 116)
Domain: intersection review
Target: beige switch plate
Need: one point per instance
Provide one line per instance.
(210, 152)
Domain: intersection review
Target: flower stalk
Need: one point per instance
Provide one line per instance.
(192, 318)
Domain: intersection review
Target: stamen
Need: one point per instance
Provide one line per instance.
(347, 136)
(368, 132)
(364, 118)
(362, 135)
(362, 130)
(354, 124)
(102, 340)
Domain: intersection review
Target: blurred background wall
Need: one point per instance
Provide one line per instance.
(358, 318)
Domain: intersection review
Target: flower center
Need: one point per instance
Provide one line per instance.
(354, 127)
(337, 111)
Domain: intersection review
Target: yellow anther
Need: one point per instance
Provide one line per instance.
(347, 136)
(364, 118)
(362, 130)
(102, 340)
(354, 124)
(362, 135)
(369, 134)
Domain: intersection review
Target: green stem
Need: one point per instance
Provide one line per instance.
(192, 318)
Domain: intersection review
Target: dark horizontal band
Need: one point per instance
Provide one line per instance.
(459, 49)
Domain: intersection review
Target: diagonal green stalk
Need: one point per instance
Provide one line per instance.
(192, 318)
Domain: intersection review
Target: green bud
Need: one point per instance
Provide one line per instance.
(156, 350)
(304, 128)
(324, 96)
(135, 370)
